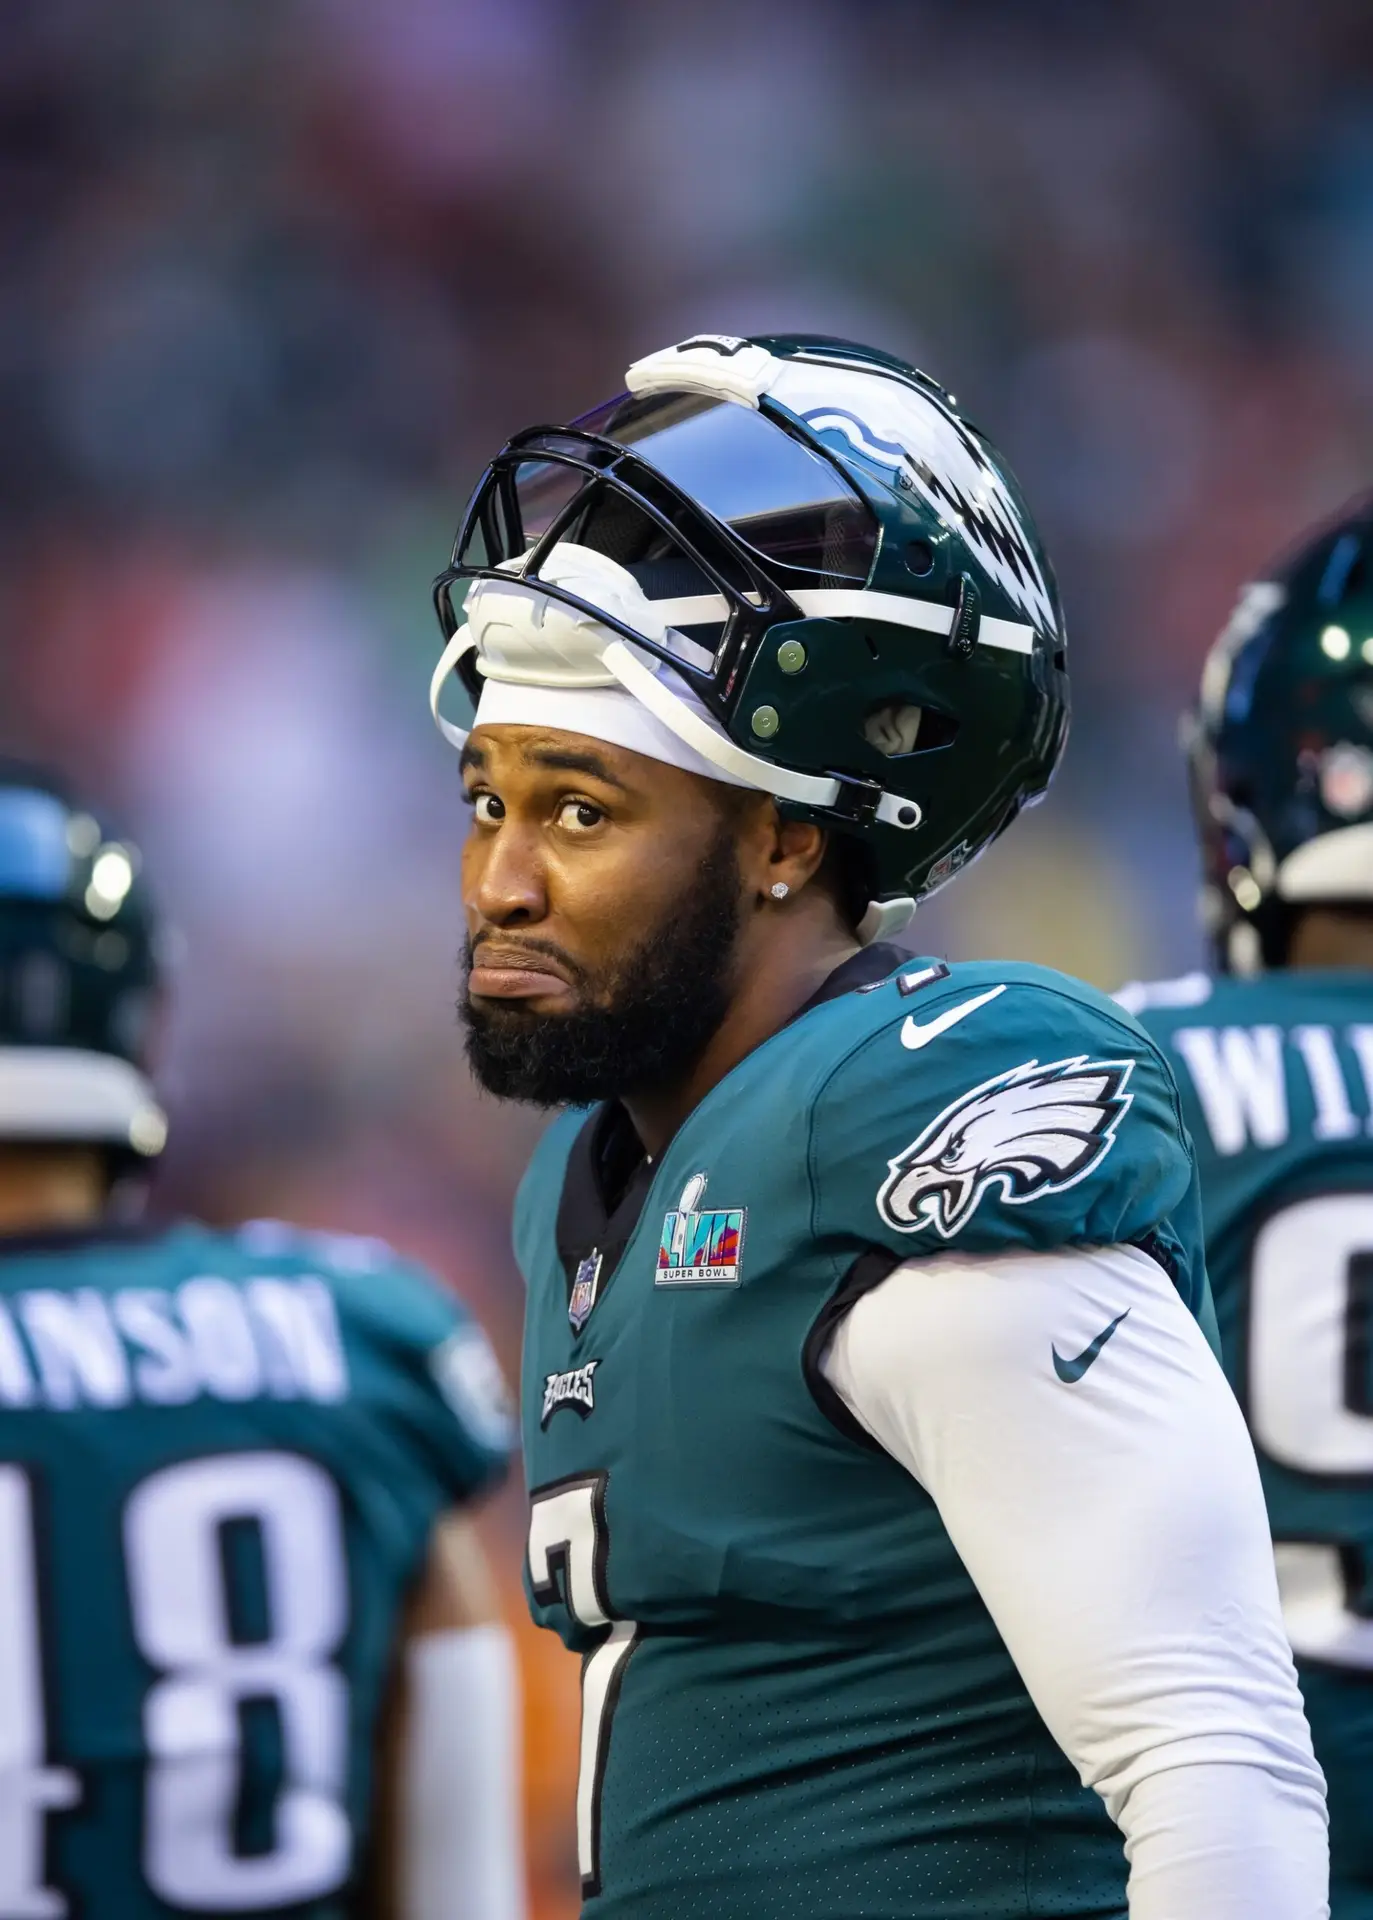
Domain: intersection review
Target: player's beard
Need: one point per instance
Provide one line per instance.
(646, 1027)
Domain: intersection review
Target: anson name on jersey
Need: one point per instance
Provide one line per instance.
(166, 1346)
(222, 1457)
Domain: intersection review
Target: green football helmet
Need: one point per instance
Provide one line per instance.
(78, 976)
(1280, 747)
(802, 559)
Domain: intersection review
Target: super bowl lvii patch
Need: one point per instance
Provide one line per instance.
(700, 1247)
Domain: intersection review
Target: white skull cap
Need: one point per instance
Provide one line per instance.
(543, 662)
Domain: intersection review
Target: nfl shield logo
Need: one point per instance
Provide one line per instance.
(583, 1296)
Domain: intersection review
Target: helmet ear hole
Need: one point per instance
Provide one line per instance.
(894, 727)
(899, 728)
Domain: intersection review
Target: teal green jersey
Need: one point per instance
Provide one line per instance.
(221, 1457)
(795, 1703)
(1277, 1081)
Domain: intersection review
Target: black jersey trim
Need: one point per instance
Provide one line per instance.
(605, 1185)
(869, 1270)
(1157, 1248)
(867, 968)
(607, 1175)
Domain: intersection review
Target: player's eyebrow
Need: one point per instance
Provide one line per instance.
(471, 757)
(564, 760)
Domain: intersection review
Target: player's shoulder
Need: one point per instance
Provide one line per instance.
(382, 1302)
(992, 1006)
(957, 1095)
(406, 1320)
(382, 1298)
(1282, 998)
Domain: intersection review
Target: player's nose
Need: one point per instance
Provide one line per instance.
(504, 884)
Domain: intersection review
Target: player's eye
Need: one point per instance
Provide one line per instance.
(489, 809)
(579, 816)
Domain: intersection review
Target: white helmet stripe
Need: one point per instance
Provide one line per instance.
(857, 603)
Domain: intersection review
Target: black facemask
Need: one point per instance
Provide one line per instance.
(647, 1029)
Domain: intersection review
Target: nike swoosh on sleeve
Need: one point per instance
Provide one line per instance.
(915, 1035)
(1073, 1370)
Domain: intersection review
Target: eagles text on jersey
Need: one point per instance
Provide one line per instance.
(792, 1692)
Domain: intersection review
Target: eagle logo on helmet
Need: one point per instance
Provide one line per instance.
(930, 452)
(1032, 1131)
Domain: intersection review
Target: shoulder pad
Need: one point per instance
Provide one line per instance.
(1006, 1107)
(341, 1252)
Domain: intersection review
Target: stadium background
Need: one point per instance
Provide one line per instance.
(275, 278)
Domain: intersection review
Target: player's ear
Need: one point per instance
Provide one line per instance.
(778, 856)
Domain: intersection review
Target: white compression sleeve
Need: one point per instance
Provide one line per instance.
(1218, 1840)
(1114, 1524)
(460, 1820)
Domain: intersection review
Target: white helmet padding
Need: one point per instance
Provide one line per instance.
(67, 1095)
(531, 645)
(1332, 867)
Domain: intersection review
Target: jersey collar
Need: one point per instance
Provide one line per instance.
(608, 1175)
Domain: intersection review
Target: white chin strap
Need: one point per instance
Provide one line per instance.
(548, 664)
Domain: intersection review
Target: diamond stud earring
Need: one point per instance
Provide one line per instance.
(780, 889)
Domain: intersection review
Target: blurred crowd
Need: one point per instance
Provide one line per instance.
(274, 280)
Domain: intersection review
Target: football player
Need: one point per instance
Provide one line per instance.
(1274, 1056)
(249, 1661)
(880, 1467)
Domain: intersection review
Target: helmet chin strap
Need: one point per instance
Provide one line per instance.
(807, 789)
(458, 647)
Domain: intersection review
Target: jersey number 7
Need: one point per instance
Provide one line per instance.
(568, 1536)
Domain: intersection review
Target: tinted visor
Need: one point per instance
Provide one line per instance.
(35, 861)
(781, 498)
(664, 550)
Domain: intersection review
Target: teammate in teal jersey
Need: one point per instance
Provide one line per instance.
(248, 1658)
(1274, 1055)
(880, 1467)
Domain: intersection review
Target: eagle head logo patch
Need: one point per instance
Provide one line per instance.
(1031, 1131)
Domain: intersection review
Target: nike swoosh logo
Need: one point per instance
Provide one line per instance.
(915, 1036)
(1073, 1370)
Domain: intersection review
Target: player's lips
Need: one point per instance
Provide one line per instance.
(512, 973)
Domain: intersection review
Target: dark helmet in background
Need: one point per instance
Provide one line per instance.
(1280, 747)
(806, 563)
(78, 976)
